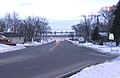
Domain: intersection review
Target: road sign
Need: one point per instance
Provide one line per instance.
(111, 36)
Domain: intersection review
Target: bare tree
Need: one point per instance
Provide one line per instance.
(34, 27)
(11, 22)
(79, 29)
(8, 22)
(15, 22)
(107, 17)
(2, 25)
(31, 27)
(87, 22)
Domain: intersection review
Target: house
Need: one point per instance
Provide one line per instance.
(4, 40)
(14, 37)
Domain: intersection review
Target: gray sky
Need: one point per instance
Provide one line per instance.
(54, 10)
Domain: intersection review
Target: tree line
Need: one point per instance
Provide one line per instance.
(30, 27)
(107, 19)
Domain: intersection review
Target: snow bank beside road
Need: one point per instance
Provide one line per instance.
(32, 44)
(100, 48)
(7, 48)
(103, 48)
(104, 70)
(35, 43)
(3, 46)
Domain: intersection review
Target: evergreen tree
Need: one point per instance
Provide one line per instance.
(95, 35)
(116, 24)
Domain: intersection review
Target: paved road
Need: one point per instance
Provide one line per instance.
(48, 61)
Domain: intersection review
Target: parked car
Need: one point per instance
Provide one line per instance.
(6, 41)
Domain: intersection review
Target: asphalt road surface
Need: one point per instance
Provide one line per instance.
(51, 60)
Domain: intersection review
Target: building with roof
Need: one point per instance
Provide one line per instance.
(14, 37)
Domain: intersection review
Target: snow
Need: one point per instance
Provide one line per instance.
(7, 48)
(107, 69)
(101, 48)
(32, 44)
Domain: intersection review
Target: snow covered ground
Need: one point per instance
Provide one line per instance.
(6, 48)
(109, 69)
(106, 70)
(102, 48)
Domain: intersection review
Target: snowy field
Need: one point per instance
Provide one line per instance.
(109, 69)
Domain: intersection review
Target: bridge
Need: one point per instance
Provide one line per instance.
(58, 35)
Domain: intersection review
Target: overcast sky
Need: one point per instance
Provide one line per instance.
(53, 9)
